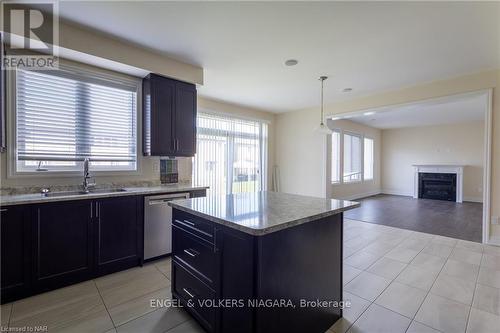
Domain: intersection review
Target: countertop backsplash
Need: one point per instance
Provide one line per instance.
(148, 178)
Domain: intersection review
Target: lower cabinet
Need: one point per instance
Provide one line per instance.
(118, 234)
(63, 243)
(51, 245)
(15, 230)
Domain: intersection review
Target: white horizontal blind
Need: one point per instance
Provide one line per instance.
(352, 158)
(66, 116)
(231, 154)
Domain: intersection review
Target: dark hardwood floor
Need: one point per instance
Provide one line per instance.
(451, 219)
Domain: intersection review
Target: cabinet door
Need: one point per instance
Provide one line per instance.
(62, 243)
(118, 234)
(185, 119)
(16, 252)
(162, 109)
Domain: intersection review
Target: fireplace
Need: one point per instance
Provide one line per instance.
(442, 182)
(438, 186)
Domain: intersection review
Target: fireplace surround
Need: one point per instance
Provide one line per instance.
(441, 182)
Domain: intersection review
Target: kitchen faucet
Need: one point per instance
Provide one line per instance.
(86, 176)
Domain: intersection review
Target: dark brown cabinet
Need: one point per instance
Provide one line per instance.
(51, 245)
(169, 117)
(62, 243)
(16, 252)
(118, 234)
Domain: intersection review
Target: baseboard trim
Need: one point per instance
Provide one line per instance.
(397, 192)
(474, 199)
(359, 195)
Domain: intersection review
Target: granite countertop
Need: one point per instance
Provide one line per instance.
(32, 198)
(261, 213)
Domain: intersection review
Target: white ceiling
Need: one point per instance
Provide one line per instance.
(369, 46)
(450, 110)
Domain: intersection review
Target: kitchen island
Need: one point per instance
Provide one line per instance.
(259, 262)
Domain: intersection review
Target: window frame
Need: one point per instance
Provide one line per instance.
(91, 72)
(263, 140)
(362, 136)
(361, 153)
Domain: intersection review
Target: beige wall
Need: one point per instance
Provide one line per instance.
(301, 154)
(445, 144)
(365, 188)
(299, 123)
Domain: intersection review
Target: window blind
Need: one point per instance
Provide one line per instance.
(231, 154)
(67, 116)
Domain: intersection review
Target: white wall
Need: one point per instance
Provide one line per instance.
(444, 144)
(365, 188)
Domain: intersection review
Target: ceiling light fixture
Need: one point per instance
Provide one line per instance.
(369, 113)
(322, 127)
(346, 90)
(291, 62)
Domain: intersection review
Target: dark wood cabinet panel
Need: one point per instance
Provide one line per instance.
(169, 117)
(185, 119)
(118, 234)
(50, 245)
(63, 243)
(284, 265)
(16, 251)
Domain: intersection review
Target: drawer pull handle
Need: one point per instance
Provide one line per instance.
(191, 252)
(187, 292)
(190, 223)
(3, 210)
(191, 226)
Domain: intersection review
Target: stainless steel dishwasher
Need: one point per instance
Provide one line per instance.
(158, 224)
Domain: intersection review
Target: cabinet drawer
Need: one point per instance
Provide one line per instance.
(197, 254)
(194, 225)
(192, 292)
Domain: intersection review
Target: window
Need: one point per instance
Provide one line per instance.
(352, 158)
(368, 159)
(65, 116)
(335, 156)
(231, 154)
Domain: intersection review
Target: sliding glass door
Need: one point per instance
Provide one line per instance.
(231, 154)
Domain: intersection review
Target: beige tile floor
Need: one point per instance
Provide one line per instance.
(396, 280)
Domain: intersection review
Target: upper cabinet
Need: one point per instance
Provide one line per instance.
(169, 117)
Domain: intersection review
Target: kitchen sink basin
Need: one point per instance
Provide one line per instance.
(80, 192)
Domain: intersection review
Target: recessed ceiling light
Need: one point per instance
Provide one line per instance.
(369, 113)
(335, 118)
(291, 62)
(346, 90)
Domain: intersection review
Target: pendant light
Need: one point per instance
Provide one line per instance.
(322, 128)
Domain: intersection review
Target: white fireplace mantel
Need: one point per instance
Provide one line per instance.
(440, 168)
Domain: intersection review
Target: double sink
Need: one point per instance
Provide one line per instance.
(80, 192)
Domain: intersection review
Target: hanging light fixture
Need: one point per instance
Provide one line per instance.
(322, 128)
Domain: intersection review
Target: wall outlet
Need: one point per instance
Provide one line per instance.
(494, 220)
